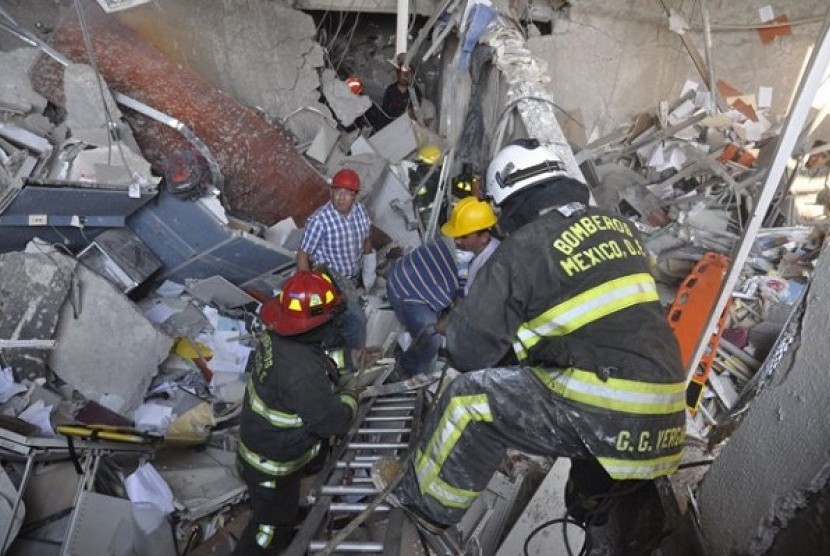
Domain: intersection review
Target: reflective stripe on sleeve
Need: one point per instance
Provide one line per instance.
(349, 401)
(276, 418)
(587, 307)
(277, 468)
(264, 535)
(615, 394)
(459, 413)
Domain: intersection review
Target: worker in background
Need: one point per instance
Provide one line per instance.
(337, 235)
(471, 225)
(289, 410)
(401, 94)
(595, 372)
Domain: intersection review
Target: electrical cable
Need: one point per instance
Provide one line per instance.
(348, 42)
(606, 501)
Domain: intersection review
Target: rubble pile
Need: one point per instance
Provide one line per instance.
(129, 288)
(690, 180)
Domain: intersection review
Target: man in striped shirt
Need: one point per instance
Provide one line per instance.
(337, 236)
(421, 285)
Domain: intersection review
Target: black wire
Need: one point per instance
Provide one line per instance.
(564, 520)
(606, 500)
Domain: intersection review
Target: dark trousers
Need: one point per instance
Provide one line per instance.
(275, 505)
(274, 512)
(478, 417)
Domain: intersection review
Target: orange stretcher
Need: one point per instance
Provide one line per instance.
(689, 315)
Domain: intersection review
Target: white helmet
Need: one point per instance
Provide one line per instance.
(520, 164)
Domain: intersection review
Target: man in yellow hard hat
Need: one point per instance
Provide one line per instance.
(471, 225)
(423, 284)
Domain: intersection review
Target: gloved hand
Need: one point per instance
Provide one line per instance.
(369, 269)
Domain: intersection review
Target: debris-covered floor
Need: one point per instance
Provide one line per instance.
(146, 214)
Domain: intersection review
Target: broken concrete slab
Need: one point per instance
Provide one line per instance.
(16, 91)
(109, 351)
(33, 287)
(346, 105)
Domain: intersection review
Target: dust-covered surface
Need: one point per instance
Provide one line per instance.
(266, 179)
(778, 456)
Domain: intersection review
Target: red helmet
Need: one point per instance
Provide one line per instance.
(355, 86)
(308, 299)
(346, 179)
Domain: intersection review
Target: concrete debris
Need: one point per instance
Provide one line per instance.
(347, 106)
(186, 210)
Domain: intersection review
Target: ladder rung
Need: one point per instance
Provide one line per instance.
(377, 419)
(383, 431)
(337, 490)
(366, 547)
(354, 464)
(376, 445)
(392, 408)
(356, 507)
(399, 399)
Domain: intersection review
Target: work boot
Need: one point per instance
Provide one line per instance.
(386, 471)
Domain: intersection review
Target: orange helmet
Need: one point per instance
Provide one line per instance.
(346, 179)
(307, 300)
(355, 85)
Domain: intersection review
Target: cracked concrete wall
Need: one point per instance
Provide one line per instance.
(263, 53)
(780, 454)
(611, 60)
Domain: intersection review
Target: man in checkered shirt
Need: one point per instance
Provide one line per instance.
(337, 235)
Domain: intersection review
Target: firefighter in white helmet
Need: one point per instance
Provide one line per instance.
(564, 347)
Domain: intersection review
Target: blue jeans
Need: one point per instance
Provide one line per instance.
(419, 320)
(351, 323)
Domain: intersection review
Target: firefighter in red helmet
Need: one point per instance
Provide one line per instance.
(290, 408)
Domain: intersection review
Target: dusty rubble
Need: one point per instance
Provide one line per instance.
(130, 293)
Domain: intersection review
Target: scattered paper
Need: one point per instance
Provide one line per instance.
(8, 387)
(764, 97)
(147, 486)
(170, 289)
(159, 312)
(766, 14)
(153, 417)
(38, 415)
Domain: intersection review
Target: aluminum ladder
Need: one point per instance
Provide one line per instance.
(385, 426)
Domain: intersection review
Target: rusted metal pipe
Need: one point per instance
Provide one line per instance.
(266, 179)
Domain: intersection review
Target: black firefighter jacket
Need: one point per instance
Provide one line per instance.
(290, 404)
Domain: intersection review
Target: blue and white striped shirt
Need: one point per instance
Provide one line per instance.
(336, 240)
(428, 274)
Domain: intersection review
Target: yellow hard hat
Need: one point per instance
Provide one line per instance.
(429, 154)
(469, 215)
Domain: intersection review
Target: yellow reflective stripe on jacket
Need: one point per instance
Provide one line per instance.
(277, 468)
(622, 469)
(459, 413)
(350, 401)
(616, 394)
(276, 418)
(587, 307)
(264, 535)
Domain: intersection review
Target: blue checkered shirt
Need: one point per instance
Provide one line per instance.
(336, 240)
